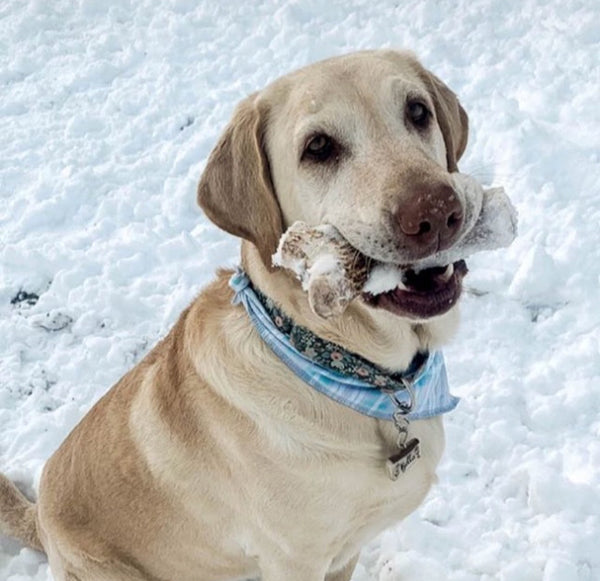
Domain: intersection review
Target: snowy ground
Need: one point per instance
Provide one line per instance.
(107, 113)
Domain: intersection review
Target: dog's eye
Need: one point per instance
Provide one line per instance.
(418, 114)
(320, 148)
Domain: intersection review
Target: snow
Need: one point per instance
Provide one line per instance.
(383, 278)
(326, 264)
(108, 112)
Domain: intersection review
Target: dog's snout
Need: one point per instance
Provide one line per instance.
(430, 219)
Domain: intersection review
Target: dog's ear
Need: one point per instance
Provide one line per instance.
(235, 190)
(451, 117)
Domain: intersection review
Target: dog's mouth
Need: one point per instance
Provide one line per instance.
(422, 294)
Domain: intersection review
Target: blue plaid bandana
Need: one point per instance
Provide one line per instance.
(344, 376)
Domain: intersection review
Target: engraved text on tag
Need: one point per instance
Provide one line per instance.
(402, 460)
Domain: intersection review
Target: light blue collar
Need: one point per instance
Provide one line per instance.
(425, 393)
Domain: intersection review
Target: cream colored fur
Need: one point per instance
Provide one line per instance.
(209, 460)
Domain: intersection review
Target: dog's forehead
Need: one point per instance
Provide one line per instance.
(356, 77)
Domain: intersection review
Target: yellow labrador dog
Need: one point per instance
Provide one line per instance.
(211, 460)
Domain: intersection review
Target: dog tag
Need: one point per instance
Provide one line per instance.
(403, 459)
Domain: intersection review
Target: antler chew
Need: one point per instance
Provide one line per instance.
(332, 271)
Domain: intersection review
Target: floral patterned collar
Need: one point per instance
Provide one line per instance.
(335, 357)
(420, 392)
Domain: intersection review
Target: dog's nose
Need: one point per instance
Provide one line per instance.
(430, 219)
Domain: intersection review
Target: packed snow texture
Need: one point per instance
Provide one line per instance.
(108, 112)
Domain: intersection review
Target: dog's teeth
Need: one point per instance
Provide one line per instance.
(448, 273)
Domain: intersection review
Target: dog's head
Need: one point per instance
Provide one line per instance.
(365, 142)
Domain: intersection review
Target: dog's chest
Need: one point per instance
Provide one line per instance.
(332, 505)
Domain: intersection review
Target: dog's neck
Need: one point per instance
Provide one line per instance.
(380, 337)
